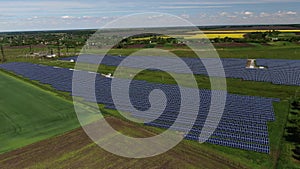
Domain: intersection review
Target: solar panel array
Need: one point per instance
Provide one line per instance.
(283, 72)
(243, 124)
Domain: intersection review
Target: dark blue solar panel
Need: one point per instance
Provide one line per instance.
(243, 124)
(282, 72)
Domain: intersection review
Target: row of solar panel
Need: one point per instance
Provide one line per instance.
(244, 117)
(284, 72)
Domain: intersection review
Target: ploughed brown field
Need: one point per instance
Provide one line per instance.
(75, 150)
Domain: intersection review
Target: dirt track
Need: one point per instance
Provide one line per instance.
(76, 150)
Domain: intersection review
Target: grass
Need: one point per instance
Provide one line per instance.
(276, 50)
(279, 50)
(257, 52)
(286, 160)
(29, 114)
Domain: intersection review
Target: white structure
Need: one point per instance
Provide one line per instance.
(51, 56)
(108, 75)
(252, 64)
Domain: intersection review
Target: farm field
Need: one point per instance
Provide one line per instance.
(66, 151)
(215, 35)
(234, 34)
(244, 31)
(275, 50)
(29, 114)
(272, 50)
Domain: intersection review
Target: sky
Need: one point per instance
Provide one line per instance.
(93, 14)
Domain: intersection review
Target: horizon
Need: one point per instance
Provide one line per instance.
(199, 26)
(36, 15)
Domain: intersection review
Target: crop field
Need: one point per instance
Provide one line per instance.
(234, 34)
(242, 31)
(29, 114)
(68, 154)
(215, 35)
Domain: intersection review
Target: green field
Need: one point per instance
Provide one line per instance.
(29, 114)
(271, 50)
(276, 50)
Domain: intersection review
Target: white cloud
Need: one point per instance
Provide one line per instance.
(87, 17)
(194, 7)
(248, 13)
(222, 2)
(285, 13)
(67, 17)
(277, 14)
(228, 15)
(83, 13)
(223, 13)
(264, 14)
(291, 13)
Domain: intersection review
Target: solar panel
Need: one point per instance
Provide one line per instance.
(243, 124)
(279, 71)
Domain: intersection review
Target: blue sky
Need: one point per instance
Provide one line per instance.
(51, 15)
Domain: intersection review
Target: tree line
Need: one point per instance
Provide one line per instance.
(293, 128)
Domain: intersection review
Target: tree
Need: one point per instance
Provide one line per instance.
(297, 152)
(2, 53)
(297, 132)
(296, 104)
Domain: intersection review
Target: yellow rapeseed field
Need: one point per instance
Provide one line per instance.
(235, 34)
(213, 36)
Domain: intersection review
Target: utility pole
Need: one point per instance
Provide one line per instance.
(30, 48)
(58, 47)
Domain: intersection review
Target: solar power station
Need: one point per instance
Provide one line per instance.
(243, 124)
(283, 72)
